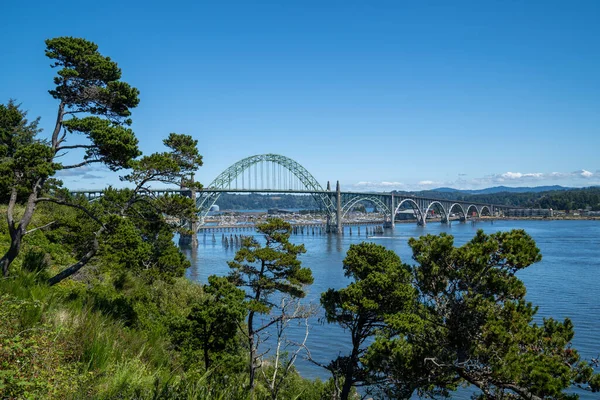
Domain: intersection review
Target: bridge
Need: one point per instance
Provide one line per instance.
(273, 173)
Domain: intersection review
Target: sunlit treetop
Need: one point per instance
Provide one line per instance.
(89, 82)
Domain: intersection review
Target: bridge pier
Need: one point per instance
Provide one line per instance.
(391, 224)
(338, 214)
(329, 225)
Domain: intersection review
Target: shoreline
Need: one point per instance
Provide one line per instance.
(555, 218)
(350, 224)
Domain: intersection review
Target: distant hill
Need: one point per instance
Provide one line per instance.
(500, 189)
(445, 190)
(555, 197)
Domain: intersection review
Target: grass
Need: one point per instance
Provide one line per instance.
(104, 358)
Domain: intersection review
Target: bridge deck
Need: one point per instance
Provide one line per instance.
(95, 193)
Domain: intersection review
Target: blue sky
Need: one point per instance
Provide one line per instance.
(380, 95)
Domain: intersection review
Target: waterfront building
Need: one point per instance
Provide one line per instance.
(529, 212)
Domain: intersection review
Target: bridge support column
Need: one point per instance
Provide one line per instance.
(421, 218)
(329, 226)
(392, 222)
(446, 218)
(338, 195)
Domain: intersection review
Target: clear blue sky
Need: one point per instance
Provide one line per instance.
(377, 94)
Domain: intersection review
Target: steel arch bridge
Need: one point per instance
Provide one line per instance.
(264, 173)
(273, 173)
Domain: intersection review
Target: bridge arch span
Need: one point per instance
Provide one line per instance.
(373, 199)
(476, 210)
(460, 207)
(415, 207)
(226, 178)
(439, 206)
(489, 211)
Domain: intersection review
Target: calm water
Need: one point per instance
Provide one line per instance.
(566, 283)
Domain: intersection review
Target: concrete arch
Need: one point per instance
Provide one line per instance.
(373, 199)
(414, 206)
(439, 205)
(485, 208)
(462, 210)
(476, 210)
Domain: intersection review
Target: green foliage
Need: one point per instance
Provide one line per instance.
(212, 325)
(185, 151)
(142, 242)
(37, 262)
(477, 326)
(61, 344)
(54, 242)
(64, 341)
(257, 201)
(571, 199)
(264, 271)
(271, 268)
(114, 145)
(294, 386)
(462, 319)
(380, 302)
(174, 167)
(33, 363)
(88, 81)
(15, 130)
(22, 156)
(119, 331)
(123, 244)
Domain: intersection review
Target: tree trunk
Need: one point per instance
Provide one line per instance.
(348, 381)
(59, 122)
(349, 372)
(15, 243)
(252, 352)
(252, 333)
(67, 272)
(17, 232)
(336, 387)
(12, 253)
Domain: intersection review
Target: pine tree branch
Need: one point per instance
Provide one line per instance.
(76, 146)
(81, 164)
(38, 228)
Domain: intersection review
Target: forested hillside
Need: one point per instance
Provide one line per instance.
(572, 199)
(255, 201)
